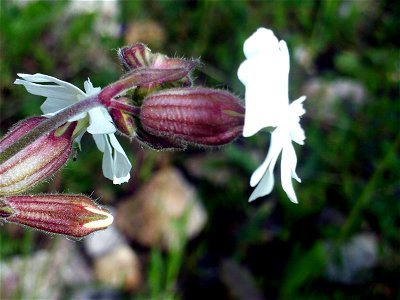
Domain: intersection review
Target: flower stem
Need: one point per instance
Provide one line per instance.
(354, 216)
(49, 125)
(140, 77)
(131, 109)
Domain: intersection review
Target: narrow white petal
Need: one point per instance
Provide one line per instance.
(100, 122)
(296, 110)
(116, 165)
(274, 150)
(108, 165)
(50, 91)
(52, 105)
(291, 159)
(121, 163)
(89, 89)
(297, 106)
(78, 139)
(45, 78)
(288, 164)
(297, 134)
(265, 185)
(100, 141)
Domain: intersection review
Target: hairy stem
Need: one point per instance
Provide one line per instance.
(131, 109)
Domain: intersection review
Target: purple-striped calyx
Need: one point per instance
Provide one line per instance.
(36, 162)
(72, 215)
(192, 116)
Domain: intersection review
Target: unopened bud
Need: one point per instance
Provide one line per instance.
(140, 56)
(124, 122)
(198, 116)
(39, 160)
(71, 215)
(135, 56)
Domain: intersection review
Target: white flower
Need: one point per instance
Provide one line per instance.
(265, 75)
(60, 95)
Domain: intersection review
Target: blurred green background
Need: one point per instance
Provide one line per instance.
(344, 57)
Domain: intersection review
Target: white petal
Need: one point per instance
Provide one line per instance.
(288, 166)
(100, 141)
(108, 164)
(275, 149)
(297, 134)
(89, 89)
(72, 90)
(122, 165)
(52, 105)
(295, 111)
(49, 91)
(265, 75)
(100, 121)
(296, 107)
(78, 139)
(116, 165)
(261, 41)
(265, 185)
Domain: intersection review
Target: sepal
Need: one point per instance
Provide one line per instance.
(195, 116)
(71, 215)
(36, 162)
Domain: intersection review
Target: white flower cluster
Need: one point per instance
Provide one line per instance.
(265, 75)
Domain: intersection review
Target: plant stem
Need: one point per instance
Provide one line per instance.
(131, 109)
(354, 217)
(140, 77)
(49, 125)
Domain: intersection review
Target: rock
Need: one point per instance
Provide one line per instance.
(104, 241)
(355, 259)
(325, 97)
(161, 211)
(97, 293)
(239, 281)
(119, 268)
(45, 273)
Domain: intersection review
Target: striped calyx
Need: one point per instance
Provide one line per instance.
(193, 116)
(36, 162)
(71, 215)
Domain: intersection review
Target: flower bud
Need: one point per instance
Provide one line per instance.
(39, 160)
(135, 56)
(124, 122)
(71, 215)
(197, 116)
(140, 56)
